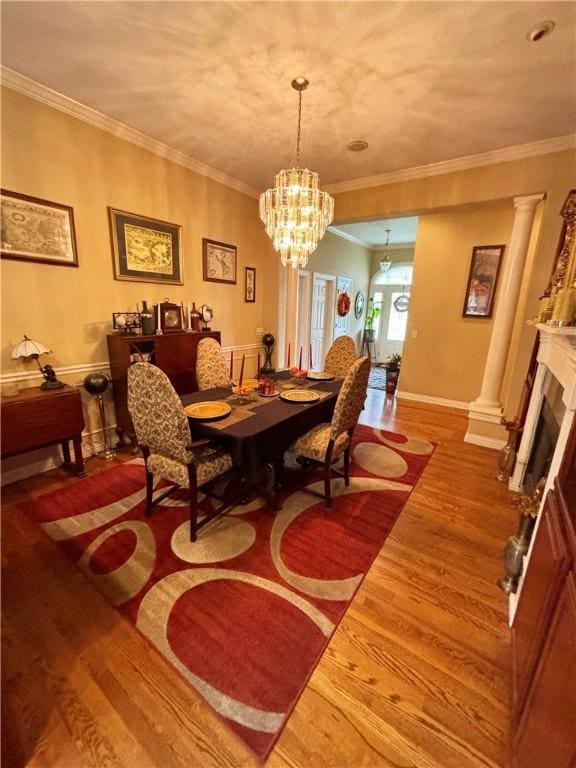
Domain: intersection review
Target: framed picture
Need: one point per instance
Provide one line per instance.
(37, 230)
(481, 286)
(219, 261)
(250, 284)
(145, 250)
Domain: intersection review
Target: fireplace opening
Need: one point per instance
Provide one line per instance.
(546, 434)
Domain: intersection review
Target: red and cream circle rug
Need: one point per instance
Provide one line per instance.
(245, 613)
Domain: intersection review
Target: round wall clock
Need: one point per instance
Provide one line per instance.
(359, 304)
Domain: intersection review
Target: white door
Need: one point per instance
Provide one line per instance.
(321, 321)
(343, 285)
(395, 300)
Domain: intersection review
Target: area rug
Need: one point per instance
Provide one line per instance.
(377, 378)
(246, 612)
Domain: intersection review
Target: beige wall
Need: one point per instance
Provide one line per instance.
(447, 358)
(50, 155)
(553, 174)
(340, 257)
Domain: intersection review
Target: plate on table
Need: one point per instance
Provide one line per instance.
(210, 410)
(269, 394)
(299, 396)
(321, 376)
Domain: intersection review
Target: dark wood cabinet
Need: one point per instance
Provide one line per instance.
(544, 635)
(174, 353)
(36, 418)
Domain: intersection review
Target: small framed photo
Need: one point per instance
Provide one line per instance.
(250, 284)
(482, 279)
(37, 230)
(145, 250)
(219, 262)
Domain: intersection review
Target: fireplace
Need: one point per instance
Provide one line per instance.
(546, 434)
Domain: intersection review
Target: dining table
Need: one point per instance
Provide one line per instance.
(259, 429)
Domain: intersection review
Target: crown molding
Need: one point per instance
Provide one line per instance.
(507, 154)
(393, 246)
(56, 100)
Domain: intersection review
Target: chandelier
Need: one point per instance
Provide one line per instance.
(385, 264)
(296, 212)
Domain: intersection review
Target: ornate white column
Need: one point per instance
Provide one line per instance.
(487, 406)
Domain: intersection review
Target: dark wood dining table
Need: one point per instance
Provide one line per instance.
(261, 439)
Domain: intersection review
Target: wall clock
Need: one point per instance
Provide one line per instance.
(359, 304)
(170, 317)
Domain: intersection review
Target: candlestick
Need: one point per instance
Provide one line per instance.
(231, 364)
(241, 371)
(258, 370)
(310, 357)
(288, 363)
(158, 328)
(300, 360)
(189, 316)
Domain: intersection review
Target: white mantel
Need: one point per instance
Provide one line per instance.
(556, 357)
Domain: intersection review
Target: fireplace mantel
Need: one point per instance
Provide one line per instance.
(556, 357)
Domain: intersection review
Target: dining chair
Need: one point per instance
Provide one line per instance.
(163, 434)
(340, 356)
(211, 368)
(324, 443)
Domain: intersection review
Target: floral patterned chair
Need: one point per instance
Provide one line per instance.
(324, 443)
(211, 368)
(340, 356)
(163, 434)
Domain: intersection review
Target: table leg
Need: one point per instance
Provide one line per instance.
(78, 458)
(65, 451)
(278, 467)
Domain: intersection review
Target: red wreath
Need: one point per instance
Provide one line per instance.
(343, 304)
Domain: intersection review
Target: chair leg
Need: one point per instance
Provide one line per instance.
(327, 494)
(193, 502)
(347, 466)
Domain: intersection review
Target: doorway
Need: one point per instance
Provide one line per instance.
(391, 295)
(322, 319)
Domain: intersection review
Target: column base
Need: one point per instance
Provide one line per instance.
(484, 427)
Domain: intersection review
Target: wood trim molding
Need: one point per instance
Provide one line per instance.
(507, 154)
(446, 403)
(494, 443)
(51, 98)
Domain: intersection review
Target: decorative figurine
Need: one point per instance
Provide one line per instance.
(507, 456)
(268, 341)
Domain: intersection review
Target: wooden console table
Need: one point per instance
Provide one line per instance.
(36, 418)
(174, 353)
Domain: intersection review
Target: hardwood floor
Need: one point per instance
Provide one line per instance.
(417, 673)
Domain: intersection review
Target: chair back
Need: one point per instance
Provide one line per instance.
(211, 368)
(340, 356)
(157, 413)
(351, 398)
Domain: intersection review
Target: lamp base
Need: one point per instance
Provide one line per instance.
(52, 385)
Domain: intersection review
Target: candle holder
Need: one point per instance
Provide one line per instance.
(268, 341)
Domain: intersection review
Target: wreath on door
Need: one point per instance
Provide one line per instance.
(343, 306)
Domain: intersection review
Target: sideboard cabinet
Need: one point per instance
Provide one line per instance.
(174, 353)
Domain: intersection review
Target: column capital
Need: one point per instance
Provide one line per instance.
(528, 202)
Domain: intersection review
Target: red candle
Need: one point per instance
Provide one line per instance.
(241, 371)
(310, 359)
(258, 371)
(300, 361)
(288, 363)
(231, 363)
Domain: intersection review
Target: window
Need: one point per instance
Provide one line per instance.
(397, 320)
(378, 298)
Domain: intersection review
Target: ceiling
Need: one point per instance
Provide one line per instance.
(373, 233)
(421, 82)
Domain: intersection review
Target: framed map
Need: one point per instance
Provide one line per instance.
(145, 250)
(219, 261)
(37, 230)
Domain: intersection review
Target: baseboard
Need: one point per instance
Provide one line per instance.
(51, 456)
(463, 406)
(495, 443)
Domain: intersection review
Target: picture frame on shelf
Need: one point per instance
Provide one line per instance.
(37, 230)
(250, 285)
(218, 261)
(144, 249)
(482, 280)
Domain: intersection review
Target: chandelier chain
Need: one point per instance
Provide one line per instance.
(298, 134)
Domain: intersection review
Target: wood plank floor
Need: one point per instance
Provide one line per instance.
(417, 673)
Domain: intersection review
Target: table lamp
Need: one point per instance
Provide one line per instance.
(29, 348)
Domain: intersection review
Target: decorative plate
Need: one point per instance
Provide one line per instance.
(299, 396)
(321, 376)
(211, 410)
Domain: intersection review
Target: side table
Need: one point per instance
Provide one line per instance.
(36, 418)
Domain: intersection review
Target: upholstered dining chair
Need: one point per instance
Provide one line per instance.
(340, 356)
(324, 443)
(211, 368)
(163, 434)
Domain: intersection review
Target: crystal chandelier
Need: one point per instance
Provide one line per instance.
(385, 264)
(296, 212)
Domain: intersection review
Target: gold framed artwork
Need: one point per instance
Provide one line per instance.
(144, 249)
(39, 230)
(219, 261)
(250, 285)
(482, 279)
